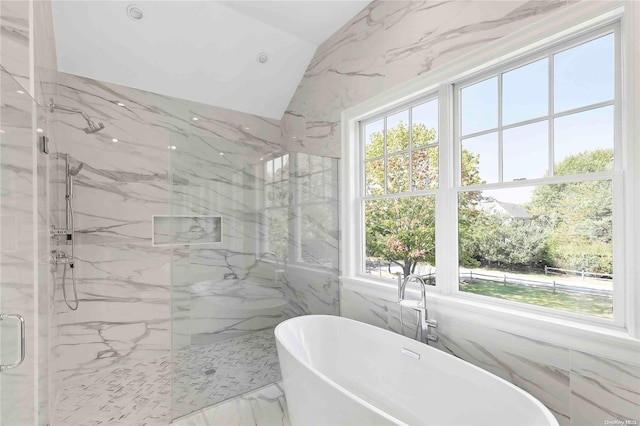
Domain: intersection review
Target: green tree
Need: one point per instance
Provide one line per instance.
(401, 230)
(570, 225)
(501, 240)
(578, 214)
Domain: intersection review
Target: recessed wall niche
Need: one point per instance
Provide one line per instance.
(186, 230)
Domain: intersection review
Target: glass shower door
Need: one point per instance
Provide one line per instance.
(17, 254)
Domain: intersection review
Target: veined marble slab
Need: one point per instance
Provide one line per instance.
(264, 407)
(389, 43)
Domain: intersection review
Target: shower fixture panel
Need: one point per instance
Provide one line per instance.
(59, 257)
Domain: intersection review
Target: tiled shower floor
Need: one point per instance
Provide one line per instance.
(209, 374)
(140, 394)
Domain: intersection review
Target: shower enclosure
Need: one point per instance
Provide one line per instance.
(249, 230)
(245, 218)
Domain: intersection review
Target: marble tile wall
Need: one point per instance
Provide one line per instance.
(579, 389)
(386, 44)
(137, 301)
(123, 283)
(311, 273)
(14, 43)
(389, 43)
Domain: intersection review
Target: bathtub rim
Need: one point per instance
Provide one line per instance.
(545, 410)
(325, 378)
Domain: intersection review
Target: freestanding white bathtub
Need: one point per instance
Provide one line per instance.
(338, 371)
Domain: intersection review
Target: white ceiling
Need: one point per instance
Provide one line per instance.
(204, 51)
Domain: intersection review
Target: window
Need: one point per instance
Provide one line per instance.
(535, 163)
(301, 202)
(276, 206)
(549, 120)
(315, 210)
(401, 179)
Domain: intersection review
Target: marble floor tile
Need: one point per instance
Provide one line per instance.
(138, 394)
(209, 374)
(264, 407)
(141, 393)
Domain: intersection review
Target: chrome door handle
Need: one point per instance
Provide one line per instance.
(22, 341)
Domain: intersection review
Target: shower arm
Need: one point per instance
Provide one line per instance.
(53, 106)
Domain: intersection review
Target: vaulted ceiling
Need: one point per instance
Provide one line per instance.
(204, 51)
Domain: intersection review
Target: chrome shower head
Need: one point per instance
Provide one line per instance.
(93, 127)
(75, 170)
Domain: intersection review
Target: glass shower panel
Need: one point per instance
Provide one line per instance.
(17, 259)
(227, 292)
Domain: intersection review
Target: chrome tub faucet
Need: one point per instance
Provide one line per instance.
(420, 306)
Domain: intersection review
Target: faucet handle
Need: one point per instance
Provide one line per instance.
(432, 323)
(432, 337)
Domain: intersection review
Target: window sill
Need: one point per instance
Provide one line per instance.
(604, 341)
(310, 267)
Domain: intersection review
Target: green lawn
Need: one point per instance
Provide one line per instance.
(600, 306)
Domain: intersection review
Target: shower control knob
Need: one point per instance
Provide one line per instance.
(55, 232)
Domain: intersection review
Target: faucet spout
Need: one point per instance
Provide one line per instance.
(424, 323)
(403, 290)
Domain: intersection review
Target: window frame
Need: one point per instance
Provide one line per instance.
(615, 175)
(575, 330)
(262, 201)
(547, 52)
(362, 196)
(293, 207)
(297, 205)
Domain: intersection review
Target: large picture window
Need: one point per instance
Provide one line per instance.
(534, 151)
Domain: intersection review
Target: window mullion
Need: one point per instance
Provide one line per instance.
(551, 126)
(410, 149)
(500, 147)
(446, 209)
(384, 156)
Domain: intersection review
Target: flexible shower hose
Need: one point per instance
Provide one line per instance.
(71, 263)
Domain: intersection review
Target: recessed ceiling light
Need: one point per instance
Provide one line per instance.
(261, 158)
(119, 104)
(135, 12)
(39, 130)
(263, 58)
(222, 153)
(172, 147)
(194, 118)
(246, 128)
(20, 92)
(294, 137)
(114, 140)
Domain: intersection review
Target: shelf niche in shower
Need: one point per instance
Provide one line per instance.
(186, 230)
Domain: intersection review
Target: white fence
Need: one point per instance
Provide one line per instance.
(597, 275)
(548, 285)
